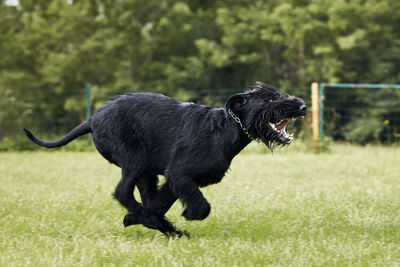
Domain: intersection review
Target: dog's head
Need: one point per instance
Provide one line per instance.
(265, 113)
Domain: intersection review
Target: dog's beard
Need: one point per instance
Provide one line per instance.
(271, 128)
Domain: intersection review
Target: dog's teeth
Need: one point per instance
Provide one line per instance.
(272, 126)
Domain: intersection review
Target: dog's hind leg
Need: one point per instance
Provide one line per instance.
(147, 185)
(124, 194)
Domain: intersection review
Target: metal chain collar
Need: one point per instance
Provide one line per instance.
(236, 118)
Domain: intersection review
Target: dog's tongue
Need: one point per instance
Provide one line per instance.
(282, 125)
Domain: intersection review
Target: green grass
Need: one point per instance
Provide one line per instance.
(287, 208)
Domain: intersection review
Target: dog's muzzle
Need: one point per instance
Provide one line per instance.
(279, 129)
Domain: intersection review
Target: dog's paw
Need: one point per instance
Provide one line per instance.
(153, 222)
(177, 233)
(131, 219)
(197, 214)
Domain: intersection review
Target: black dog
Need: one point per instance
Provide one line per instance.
(191, 145)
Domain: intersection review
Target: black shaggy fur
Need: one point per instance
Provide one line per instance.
(191, 145)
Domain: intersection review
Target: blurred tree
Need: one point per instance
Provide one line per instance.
(50, 49)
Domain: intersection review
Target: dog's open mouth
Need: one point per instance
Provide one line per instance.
(279, 128)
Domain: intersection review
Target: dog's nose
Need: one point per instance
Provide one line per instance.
(303, 108)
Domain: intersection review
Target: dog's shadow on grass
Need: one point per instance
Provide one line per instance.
(254, 227)
(136, 232)
(241, 223)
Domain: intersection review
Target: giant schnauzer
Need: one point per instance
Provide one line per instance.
(192, 145)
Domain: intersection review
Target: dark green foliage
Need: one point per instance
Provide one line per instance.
(363, 115)
(49, 50)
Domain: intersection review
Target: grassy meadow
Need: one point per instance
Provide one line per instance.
(287, 208)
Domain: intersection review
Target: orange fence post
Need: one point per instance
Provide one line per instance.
(315, 115)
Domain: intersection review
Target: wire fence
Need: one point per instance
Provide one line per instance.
(359, 115)
(362, 115)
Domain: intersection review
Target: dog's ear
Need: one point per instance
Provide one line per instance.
(263, 86)
(268, 89)
(236, 101)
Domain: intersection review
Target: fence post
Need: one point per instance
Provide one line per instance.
(315, 116)
(88, 107)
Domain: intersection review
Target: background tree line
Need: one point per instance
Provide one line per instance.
(49, 50)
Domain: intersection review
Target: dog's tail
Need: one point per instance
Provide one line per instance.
(79, 130)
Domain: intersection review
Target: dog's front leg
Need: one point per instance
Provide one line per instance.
(155, 204)
(196, 206)
(162, 200)
(155, 222)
